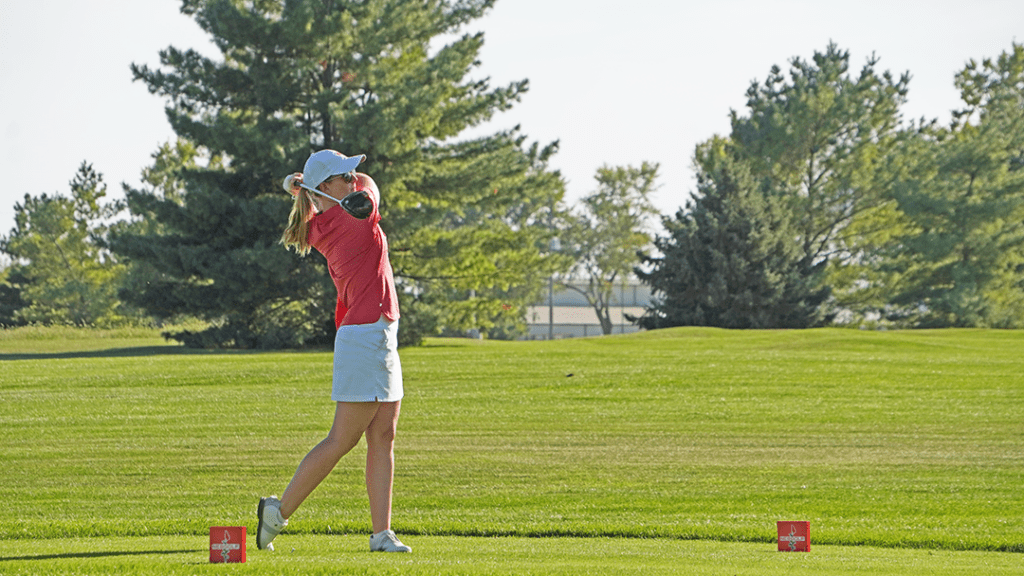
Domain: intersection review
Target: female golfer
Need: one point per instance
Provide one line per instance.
(336, 211)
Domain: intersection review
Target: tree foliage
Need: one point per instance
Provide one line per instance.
(730, 258)
(61, 273)
(820, 136)
(463, 217)
(603, 236)
(825, 137)
(11, 301)
(813, 145)
(962, 264)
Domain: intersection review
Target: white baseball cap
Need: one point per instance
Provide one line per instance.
(326, 163)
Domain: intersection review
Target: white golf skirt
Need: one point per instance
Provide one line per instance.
(366, 364)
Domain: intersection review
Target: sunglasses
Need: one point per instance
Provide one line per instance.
(348, 177)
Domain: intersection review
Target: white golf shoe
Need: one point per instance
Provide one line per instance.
(386, 541)
(271, 522)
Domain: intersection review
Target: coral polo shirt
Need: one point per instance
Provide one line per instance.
(357, 258)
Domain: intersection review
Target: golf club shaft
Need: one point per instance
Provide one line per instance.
(315, 191)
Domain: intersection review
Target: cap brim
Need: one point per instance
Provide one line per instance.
(349, 164)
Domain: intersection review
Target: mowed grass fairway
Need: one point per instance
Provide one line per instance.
(672, 451)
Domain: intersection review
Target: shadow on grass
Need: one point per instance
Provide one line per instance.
(97, 554)
(115, 353)
(141, 351)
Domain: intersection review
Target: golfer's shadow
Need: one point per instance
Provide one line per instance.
(97, 554)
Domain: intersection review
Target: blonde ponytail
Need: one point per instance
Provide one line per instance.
(296, 235)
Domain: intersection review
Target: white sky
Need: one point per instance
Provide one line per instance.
(616, 82)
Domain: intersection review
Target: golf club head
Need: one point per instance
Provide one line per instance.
(358, 204)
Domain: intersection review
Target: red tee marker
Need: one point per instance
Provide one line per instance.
(794, 536)
(227, 544)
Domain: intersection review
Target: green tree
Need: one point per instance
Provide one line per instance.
(163, 190)
(962, 264)
(463, 217)
(604, 236)
(730, 259)
(825, 140)
(64, 274)
(10, 296)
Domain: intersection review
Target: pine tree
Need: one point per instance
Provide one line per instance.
(962, 263)
(731, 258)
(825, 138)
(11, 302)
(464, 218)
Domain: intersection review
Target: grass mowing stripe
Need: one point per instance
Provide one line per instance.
(891, 439)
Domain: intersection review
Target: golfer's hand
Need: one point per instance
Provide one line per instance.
(291, 183)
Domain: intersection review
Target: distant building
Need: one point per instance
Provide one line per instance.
(566, 314)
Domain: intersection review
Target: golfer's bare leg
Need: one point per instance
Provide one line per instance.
(380, 463)
(350, 420)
